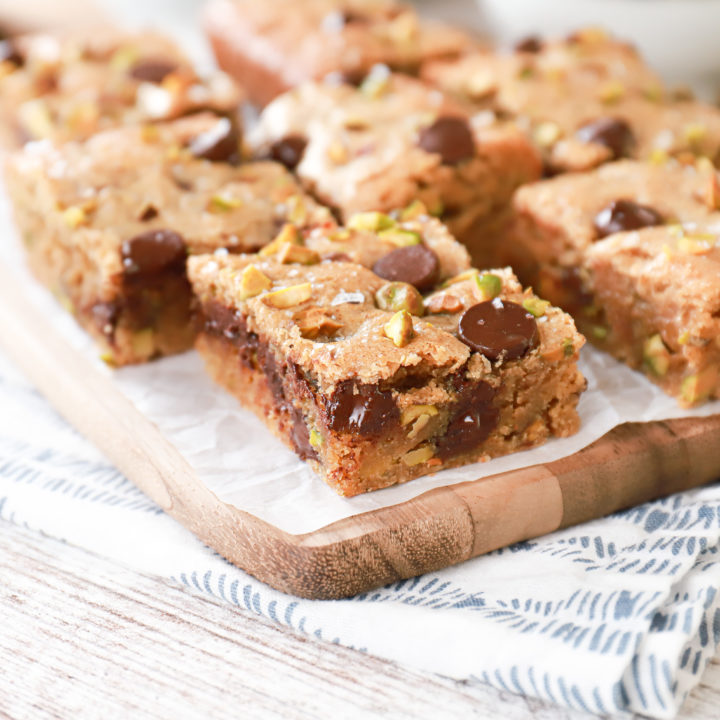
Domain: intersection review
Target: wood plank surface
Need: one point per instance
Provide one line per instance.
(84, 637)
(631, 464)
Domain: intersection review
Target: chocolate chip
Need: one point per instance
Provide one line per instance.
(153, 251)
(417, 265)
(105, 315)
(149, 213)
(614, 133)
(473, 418)
(530, 44)
(289, 150)
(498, 328)
(153, 71)
(449, 137)
(363, 410)
(300, 435)
(221, 143)
(9, 52)
(623, 215)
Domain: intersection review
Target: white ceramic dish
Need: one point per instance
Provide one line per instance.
(678, 37)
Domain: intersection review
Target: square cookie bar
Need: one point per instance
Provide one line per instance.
(394, 140)
(274, 45)
(376, 381)
(659, 290)
(583, 101)
(108, 223)
(71, 86)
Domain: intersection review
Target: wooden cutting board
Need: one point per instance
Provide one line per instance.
(632, 464)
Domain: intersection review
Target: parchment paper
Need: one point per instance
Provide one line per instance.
(239, 460)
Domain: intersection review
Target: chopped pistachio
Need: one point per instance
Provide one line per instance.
(296, 210)
(289, 296)
(525, 73)
(490, 285)
(414, 210)
(653, 93)
(341, 235)
(535, 306)
(400, 238)
(694, 133)
(418, 456)
(223, 203)
(568, 347)
(667, 252)
(315, 321)
(400, 328)
(611, 92)
(74, 216)
(418, 426)
(376, 82)
(684, 337)
(467, 275)
(316, 439)
(289, 253)
(656, 356)
(696, 243)
(142, 343)
(436, 208)
(600, 332)
(34, 116)
(699, 387)
(288, 234)
(109, 359)
(659, 156)
(373, 221)
(253, 282)
(412, 413)
(124, 58)
(397, 296)
(546, 134)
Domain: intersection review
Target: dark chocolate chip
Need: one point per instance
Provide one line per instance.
(498, 328)
(624, 215)
(614, 133)
(9, 52)
(530, 44)
(289, 150)
(153, 71)
(473, 418)
(417, 265)
(221, 143)
(362, 410)
(153, 251)
(449, 137)
(300, 435)
(149, 213)
(105, 315)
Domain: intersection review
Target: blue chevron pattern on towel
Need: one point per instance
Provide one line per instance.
(619, 614)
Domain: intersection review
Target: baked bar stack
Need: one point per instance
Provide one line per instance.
(270, 47)
(379, 372)
(394, 140)
(108, 223)
(69, 87)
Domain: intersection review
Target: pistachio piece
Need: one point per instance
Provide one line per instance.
(412, 413)
(699, 387)
(659, 156)
(568, 347)
(34, 116)
(600, 332)
(289, 253)
(400, 238)
(315, 321)
(376, 82)
(223, 203)
(396, 296)
(546, 134)
(74, 216)
(373, 221)
(316, 439)
(400, 328)
(444, 303)
(288, 234)
(414, 210)
(253, 282)
(289, 296)
(296, 210)
(535, 306)
(696, 243)
(694, 133)
(656, 356)
(142, 343)
(611, 93)
(467, 275)
(419, 455)
(684, 337)
(489, 285)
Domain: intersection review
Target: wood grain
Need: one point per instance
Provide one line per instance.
(632, 464)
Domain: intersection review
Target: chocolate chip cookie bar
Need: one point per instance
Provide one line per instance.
(564, 236)
(69, 87)
(374, 380)
(108, 223)
(584, 101)
(274, 45)
(394, 140)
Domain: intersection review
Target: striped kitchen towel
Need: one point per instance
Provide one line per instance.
(619, 614)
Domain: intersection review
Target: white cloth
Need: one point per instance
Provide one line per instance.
(618, 614)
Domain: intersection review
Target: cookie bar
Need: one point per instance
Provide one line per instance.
(584, 101)
(394, 140)
(108, 223)
(335, 356)
(659, 290)
(272, 46)
(69, 87)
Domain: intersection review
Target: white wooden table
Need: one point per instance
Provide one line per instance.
(83, 637)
